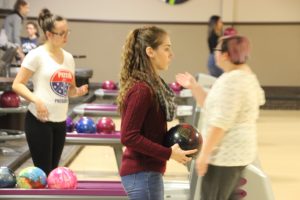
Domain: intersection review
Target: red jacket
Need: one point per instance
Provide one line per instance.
(143, 127)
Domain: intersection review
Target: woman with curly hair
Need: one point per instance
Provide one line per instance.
(146, 104)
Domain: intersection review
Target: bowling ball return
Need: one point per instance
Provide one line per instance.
(13, 118)
(94, 109)
(183, 93)
(106, 190)
(113, 140)
(184, 112)
(176, 190)
(20, 109)
(9, 135)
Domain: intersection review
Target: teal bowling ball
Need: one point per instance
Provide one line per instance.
(7, 178)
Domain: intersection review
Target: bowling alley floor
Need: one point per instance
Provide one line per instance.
(279, 147)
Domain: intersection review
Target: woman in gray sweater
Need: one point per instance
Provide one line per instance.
(13, 25)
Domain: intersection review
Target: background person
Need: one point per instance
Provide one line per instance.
(32, 40)
(215, 28)
(13, 26)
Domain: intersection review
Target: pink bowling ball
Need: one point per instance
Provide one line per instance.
(176, 87)
(106, 125)
(62, 178)
(230, 31)
(9, 99)
(109, 85)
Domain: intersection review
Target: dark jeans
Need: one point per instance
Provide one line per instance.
(220, 183)
(213, 69)
(144, 186)
(46, 141)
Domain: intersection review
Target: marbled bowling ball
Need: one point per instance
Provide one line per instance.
(86, 125)
(62, 178)
(7, 178)
(31, 178)
(109, 85)
(70, 125)
(9, 99)
(185, 135)
(106, 125)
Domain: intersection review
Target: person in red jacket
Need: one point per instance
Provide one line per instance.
(146, 104)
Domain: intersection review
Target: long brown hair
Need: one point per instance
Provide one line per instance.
(136, 65)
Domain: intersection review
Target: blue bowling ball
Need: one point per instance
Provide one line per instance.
(86, 125)
(7, 178)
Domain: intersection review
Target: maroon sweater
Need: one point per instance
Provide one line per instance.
(143, 127)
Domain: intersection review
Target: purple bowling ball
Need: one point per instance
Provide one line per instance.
(176, 87)
(109, 85)
(69, 125)
(106, 125)
(9, 99)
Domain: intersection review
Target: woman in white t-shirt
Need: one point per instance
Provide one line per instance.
(51, 69)
(229, 113)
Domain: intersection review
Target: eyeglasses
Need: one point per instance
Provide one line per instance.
(216, 49)
(62, 34)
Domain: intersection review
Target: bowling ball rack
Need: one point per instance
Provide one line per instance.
(9, 135)
(85, 190)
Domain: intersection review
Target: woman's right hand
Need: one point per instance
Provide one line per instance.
(180, 155)
(41, 110)
(186, 80)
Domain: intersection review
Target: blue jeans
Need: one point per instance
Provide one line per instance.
(144, 186)
(213, 69)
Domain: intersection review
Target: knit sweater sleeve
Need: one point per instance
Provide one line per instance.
(139, 102)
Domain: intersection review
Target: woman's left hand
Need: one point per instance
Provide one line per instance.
(201, 165)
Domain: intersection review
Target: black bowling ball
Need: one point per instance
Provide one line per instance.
(185, 135)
